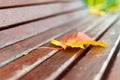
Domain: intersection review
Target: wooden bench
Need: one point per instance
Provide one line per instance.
(28, 25)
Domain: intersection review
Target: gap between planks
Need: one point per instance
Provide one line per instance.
(44, 42)
(100, 73)
(37, 12)
(91, 59)
(38, 62)
(59, 71)
(33, 3)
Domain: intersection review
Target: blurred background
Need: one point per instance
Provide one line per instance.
(101, 7)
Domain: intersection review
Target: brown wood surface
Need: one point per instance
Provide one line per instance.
(26, 27)
(27, 30)
(16, 3)
(13, 16)
(29, 43)
(26, 44)
(92, 66)
(32, 57)
(115, 71)
(51, 67)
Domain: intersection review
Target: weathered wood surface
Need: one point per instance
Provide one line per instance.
(27, 30)
(26, 27)
(15, 16)
(114, 72)
(95, 62)
(19, 3)
(27, 44)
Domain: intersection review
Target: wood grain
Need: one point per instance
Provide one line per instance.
(14, 16)
(26, 27)
(54, 63)
(27, 30)
(90, 67)
(26, 60)
(16, 3)
(36, 40)
(114, 72)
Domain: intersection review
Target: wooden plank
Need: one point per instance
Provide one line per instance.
(21, 48)
(25, 60)
(54, 63)
(114, 72)
(29, 44)
(27, 30)
(14, 16)
(51, 51)
(26, 45)
(16, 3)
(65, 67)
(94, 64)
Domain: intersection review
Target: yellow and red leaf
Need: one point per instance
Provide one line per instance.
(78, 40)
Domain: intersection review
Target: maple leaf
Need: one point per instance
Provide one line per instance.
(78, 40)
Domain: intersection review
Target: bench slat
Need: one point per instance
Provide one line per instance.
(27, 44)
(94, 64)
(36, 40)
(54, 63)
(27, 27)
(27, 30)
(7, 68)
(17, 16)
(114, 73)
(50, 53)
(17, 3)
(95, 33)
